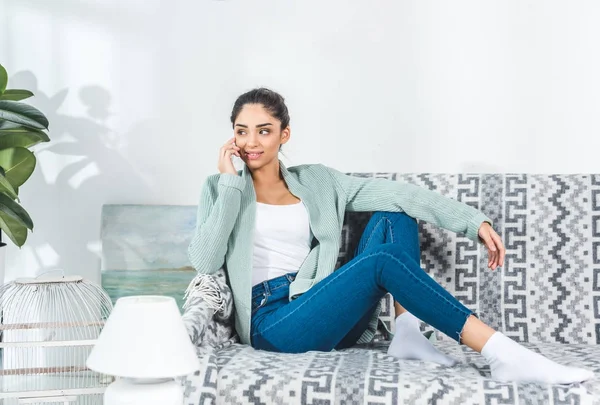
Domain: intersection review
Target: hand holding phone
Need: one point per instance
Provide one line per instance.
(225, 157)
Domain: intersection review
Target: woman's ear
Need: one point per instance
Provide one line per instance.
(285, 135)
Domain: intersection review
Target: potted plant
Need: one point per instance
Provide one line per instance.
(21, 127)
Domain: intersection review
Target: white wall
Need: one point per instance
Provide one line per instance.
(139, 93)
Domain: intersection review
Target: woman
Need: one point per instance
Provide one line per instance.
(276, 231)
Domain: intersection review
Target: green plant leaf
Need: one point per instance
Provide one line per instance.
(16, 231)
(18, 211)
(7, 188)
(16, 95)
(14, 220)
(13, 135)
(18, 164)
(24, 114)
(3, 79)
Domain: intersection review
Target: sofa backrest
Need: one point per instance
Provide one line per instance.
(549, 287)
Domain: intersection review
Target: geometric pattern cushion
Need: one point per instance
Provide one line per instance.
(549, 288)
(365, 374)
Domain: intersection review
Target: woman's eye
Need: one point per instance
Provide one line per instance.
(264, 131)
(240, 132)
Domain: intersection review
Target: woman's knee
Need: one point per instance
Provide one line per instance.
(397, 219)
(403, 230)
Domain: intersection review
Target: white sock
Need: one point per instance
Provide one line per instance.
(509, 361)
(410, 344)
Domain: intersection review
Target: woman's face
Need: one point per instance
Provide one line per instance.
(258, 134)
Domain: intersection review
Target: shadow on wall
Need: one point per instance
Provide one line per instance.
(78, 171)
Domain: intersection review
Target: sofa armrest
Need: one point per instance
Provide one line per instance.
(208, 311)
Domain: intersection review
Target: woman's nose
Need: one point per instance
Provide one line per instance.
(252, 139)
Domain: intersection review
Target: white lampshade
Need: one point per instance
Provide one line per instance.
(144, 337)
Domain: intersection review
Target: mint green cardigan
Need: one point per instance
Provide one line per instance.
(225, 225)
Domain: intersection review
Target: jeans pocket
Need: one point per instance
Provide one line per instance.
(258, 303)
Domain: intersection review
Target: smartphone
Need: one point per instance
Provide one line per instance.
(238, 163)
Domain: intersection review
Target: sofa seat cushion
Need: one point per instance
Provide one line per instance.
(367, 374)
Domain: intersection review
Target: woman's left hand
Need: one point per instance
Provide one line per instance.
(494, 245)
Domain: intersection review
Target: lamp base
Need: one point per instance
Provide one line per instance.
(133, 391)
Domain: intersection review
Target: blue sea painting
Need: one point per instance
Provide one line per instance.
(144, 250)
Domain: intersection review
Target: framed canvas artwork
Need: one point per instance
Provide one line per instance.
(144, 250)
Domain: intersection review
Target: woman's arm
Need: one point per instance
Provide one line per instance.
(368, 194)
(217, 212)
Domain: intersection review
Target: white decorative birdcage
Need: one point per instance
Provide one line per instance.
(48, 326)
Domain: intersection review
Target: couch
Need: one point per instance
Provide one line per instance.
(547, 296)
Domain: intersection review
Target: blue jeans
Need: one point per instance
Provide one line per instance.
(335, 312)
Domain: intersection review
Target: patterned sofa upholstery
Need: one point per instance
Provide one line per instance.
(547, 296)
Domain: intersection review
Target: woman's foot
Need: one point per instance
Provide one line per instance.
(509, 361)
(410, 344)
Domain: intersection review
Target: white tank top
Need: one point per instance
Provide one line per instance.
(282, 240)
